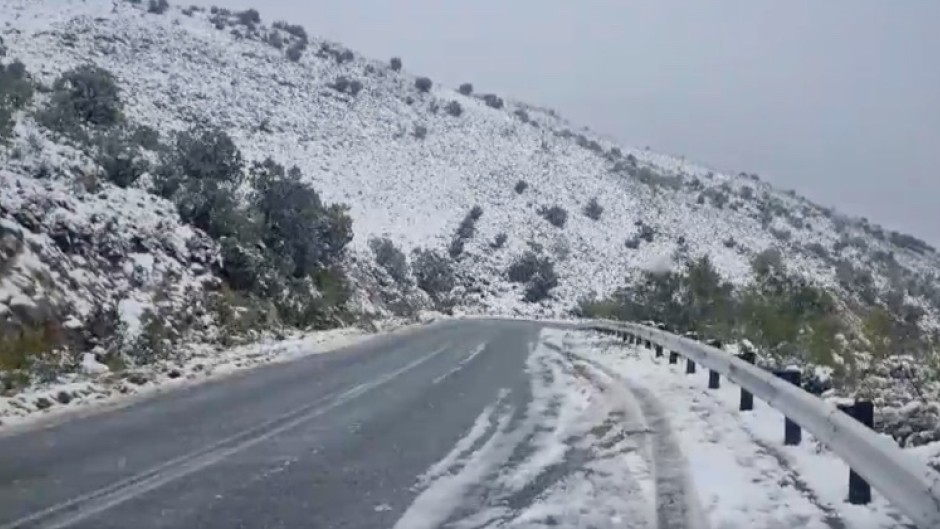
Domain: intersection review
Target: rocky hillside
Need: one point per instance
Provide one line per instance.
(515, 210)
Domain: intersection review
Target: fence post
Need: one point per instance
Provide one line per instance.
(689, 366)
(659, 351)
(649, 344)
(673, 357)
(792, 435)
(863, 411)
(747, 399)
(714, 380)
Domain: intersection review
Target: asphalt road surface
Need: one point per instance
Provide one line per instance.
(332, 440)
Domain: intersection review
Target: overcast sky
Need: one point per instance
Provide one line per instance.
(839, 100)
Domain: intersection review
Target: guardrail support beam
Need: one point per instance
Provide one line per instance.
(689, 366)
(747, 399)
(659, 351)
(792, 435)
(864, 412)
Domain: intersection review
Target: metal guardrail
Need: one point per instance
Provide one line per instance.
(909, 485)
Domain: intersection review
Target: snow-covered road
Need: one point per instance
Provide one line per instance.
(461, 424)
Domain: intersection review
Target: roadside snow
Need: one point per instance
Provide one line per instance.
(744, 475)
(96, 387)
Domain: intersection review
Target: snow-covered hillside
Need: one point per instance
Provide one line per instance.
(411, 158)
(177, 69)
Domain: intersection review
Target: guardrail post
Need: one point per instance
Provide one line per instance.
(714, 380)
(659, 351)
(747, 399)
(673, 357)
(864, 412)
(689, 366)
(649, 344)
(792, 435)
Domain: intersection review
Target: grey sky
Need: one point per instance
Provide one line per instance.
(837, 99)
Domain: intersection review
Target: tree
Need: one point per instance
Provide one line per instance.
(86, 94)
(434, 272)
(556, 215)
(466, 89)
(389, 257)
(395, 64)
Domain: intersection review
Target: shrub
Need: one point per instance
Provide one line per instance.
(120, 159)
(249, 17)
(499, 241)
(158, 6)
(522, 115)
(493, 101)
(747, 192)
(201, 173)
(395, 64)
(454, 109)
(521, 186)
(556, 215)
(389, 257)
(16, 91)
(423, 84)
(767, 262)
(524, 267)
(296, 50)
(420, 131)
(345, 56)
(274, 39)
(306, 235)
(455, 249)
(296, 30)
(466, 89)
(537, 271)
(782, 235)
(593, 210)
(146, 137)
(615, 152)
(434, 272)
(86, 95)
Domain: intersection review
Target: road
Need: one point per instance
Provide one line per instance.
(473, 424)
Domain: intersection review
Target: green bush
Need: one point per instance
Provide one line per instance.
(16, 91)
(423, 84)
(556, 215)
(395, 64)
(85, 96)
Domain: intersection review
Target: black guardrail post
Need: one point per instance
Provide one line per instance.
(714, 380)
(792, 435)
(673, 357)
(659, 351)
(649, 344)
(747, 399)
(864, 412)
(689, 366)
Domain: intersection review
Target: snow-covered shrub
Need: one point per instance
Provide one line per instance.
(593, 210)
(454, 109)
(522, 115)
(389, 257)
(420, 131)
(395, 64)
(456, 247)
(465, 89)
(158, 7)
(521, 186)
(499, 241)
(434, 272)
(556, 215)
(275, 40)
(423, 84)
